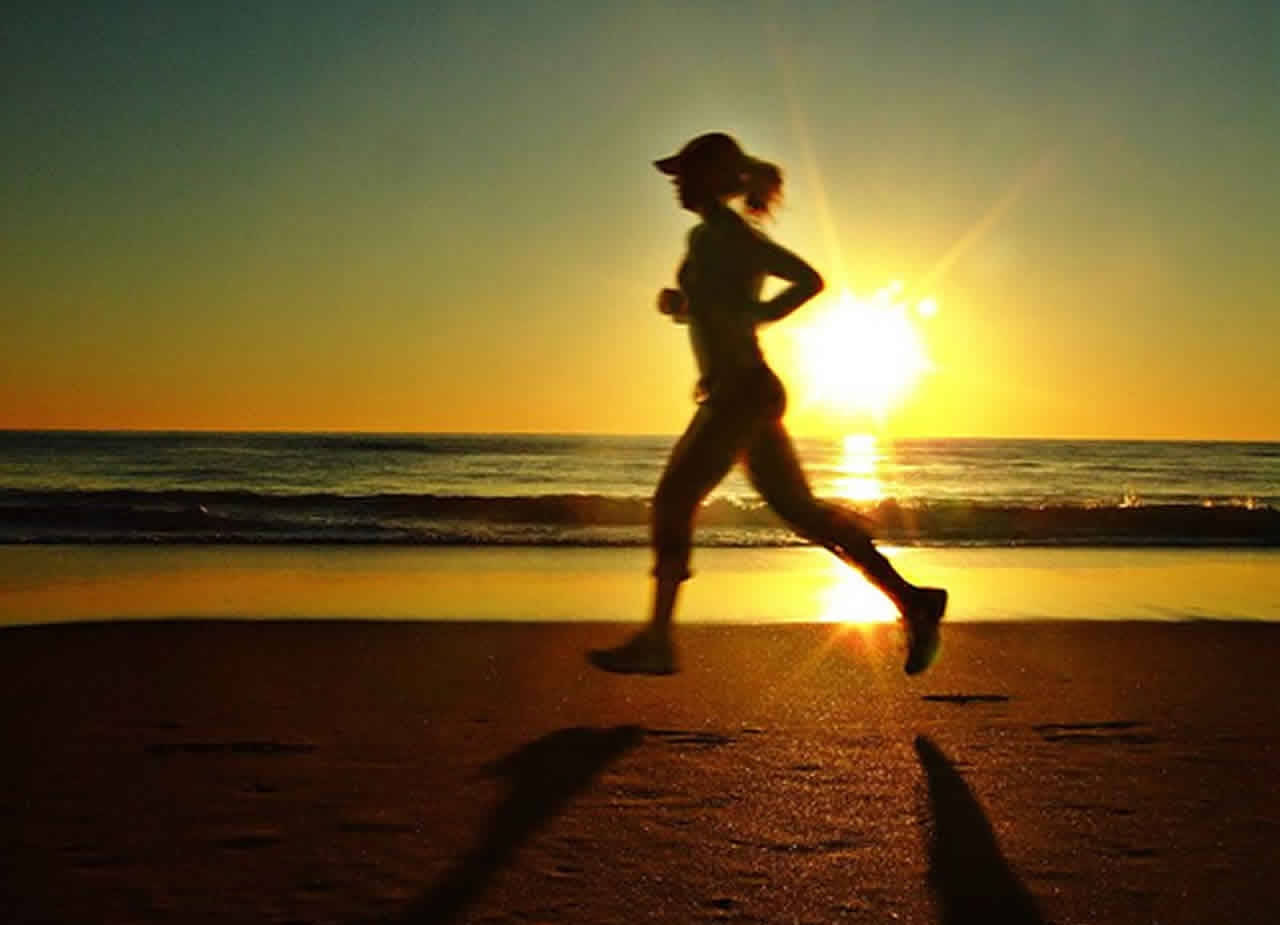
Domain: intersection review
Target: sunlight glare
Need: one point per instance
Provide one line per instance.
(850, 598)
(863, 355)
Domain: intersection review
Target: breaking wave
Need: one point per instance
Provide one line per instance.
(245, 517)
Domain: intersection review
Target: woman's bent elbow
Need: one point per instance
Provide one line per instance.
(815, 284)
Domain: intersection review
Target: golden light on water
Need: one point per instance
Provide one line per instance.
(858, 480)
(863, 355)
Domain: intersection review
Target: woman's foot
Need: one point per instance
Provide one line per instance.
(647, 652)
(921, 620)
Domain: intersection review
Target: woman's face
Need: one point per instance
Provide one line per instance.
(694, 189)
(683, 191)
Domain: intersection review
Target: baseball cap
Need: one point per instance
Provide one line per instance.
(714, 149)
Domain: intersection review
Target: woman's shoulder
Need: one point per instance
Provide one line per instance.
(725, 229)
(729, 224)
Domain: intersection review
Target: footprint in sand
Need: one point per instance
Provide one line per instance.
(966, 699)
(1112, 732)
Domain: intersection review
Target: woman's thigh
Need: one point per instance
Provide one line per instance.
(704, 454)
(774, 470)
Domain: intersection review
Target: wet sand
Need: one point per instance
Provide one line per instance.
(399, 772)
(55, 584)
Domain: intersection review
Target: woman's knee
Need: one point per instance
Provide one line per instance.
(800, 510)
(671, 534)
(673, 501)
(822, 522)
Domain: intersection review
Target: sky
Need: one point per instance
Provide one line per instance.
(443, 216)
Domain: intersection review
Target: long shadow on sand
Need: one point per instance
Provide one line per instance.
(544, 776)
(968, 874)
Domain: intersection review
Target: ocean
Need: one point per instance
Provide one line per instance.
(535, 490)
(500, 526)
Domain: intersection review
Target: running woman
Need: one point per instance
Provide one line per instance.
(741, 402)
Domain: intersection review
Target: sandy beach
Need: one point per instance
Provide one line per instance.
(397, 772)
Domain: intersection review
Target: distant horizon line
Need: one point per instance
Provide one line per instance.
(585, 433)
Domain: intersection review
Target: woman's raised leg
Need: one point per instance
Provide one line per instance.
(775, 472)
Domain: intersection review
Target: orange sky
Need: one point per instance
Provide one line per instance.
(422, 221)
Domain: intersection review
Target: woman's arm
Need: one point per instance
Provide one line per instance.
(780, 262)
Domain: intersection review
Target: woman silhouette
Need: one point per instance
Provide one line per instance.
(741, 401)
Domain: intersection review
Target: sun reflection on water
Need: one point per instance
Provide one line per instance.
(858, 480)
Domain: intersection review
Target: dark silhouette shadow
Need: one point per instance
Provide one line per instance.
(544, 776)
(968, 874)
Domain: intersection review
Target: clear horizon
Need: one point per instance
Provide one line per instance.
(584, 433)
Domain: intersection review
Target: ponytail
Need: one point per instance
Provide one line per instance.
(762, 184)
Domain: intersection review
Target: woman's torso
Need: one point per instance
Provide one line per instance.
(721, 281)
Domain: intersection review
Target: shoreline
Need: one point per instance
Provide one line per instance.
(52, 584)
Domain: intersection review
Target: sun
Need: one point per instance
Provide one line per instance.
(862, 355)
